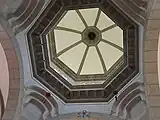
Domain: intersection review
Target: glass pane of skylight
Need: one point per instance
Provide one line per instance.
(104, 21)
(64, 39)
(73, 57)
(92, 64)
(89, 15)
(110, 54)
(114, 35)
(72, 20)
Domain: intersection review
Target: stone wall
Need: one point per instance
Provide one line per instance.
(151, 62)
(14, 76)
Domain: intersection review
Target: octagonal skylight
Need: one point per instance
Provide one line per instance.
(79, 54)
(88, 41)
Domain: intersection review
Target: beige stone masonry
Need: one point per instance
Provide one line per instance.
(151, 45)
(151, 79)
(14, 75)
(155, 14)
(150, 56)
(154, 101)
(151, 61)
(150, 67)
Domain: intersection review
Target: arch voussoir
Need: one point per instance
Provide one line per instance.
(151, 60)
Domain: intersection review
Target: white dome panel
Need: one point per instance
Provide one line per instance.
(72, 58)
(61, 41)
(104, 21)
(89, 15)
(114, 35)
(110, 54)
(72, 20)
(92, 64)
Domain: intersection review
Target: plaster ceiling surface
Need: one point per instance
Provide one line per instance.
(83, 51)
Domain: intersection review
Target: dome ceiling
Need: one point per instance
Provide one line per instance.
(82, 50)
(83, 42)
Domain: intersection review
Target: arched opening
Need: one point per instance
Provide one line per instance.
(9, 75)
(158, 59)
(4, 75)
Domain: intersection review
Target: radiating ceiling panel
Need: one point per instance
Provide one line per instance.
(110, 54)
(72, 20)
(89, 15)
(72, 58)
(92, 64)
(104, 21)
(46, 72)
(114, 35)
(64, 39)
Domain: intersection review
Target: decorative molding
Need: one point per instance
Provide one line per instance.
(136, 9)
(14, 75)
(52, 13)
(25, 14)
(126, 100)
(35, 93)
